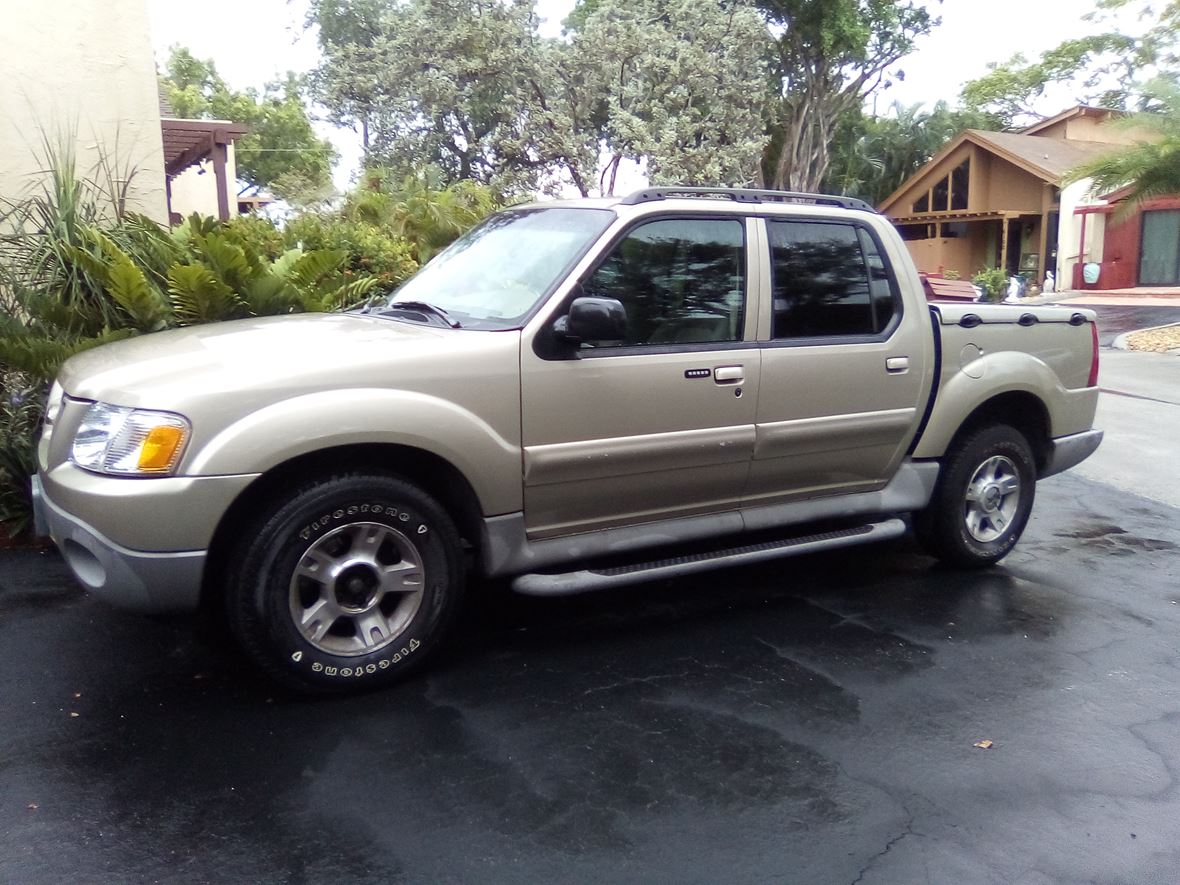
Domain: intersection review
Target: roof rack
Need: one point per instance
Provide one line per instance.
(743, 195)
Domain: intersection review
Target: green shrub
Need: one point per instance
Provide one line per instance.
(993, 281)
(370, 249)
(21, 403)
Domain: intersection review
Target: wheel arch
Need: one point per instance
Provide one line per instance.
(434, 474)
(1019, 409)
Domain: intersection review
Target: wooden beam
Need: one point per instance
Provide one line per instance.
(219, 157)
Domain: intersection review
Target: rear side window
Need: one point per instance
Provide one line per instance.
(830, 280)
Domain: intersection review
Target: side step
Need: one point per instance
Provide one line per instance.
(585, 580)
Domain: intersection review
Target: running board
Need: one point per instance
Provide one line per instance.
(585, 580)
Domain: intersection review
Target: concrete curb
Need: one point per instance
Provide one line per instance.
(1120, 343)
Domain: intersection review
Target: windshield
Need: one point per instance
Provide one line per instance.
(491, 277)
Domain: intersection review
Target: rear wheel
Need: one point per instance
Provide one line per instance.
(349, 582)
(983, 499)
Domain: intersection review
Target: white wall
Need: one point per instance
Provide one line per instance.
(83, 71)
(194, 192)
(1069, 231)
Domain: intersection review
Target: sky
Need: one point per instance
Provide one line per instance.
(254, 41)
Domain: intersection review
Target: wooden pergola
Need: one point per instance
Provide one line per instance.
(189, 142)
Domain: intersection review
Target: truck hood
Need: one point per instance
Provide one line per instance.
(266, 358)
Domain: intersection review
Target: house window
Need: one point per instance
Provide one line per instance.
(960, 181)
(916, 231)
(923, 203)
(954, 230)
(941, 201)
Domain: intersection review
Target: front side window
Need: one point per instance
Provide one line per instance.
(680, 281)
(830, 280)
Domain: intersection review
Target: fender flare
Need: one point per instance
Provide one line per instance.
(998, 373)
(312, 422)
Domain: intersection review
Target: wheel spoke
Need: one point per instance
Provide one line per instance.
(372, 630)
(973, 493)
(318, 620)
(315, 565)
(974, 522)
(401, 577)
(368, 538)
(1009, 484)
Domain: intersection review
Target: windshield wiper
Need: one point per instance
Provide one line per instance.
(425, 307)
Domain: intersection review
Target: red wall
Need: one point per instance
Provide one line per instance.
(1120, 254)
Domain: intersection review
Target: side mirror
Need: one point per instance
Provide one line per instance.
(593, 319)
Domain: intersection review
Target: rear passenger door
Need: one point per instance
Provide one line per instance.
(844, 364)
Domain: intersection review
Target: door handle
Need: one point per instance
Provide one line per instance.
(897, 365)
(729, 374)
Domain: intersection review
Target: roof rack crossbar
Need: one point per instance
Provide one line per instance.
(744, 195)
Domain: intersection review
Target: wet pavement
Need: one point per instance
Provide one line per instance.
(808, 721)
(1114, 320)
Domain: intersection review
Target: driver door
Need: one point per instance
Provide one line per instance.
(661, 423)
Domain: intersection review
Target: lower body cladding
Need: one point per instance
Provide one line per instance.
(172, 580)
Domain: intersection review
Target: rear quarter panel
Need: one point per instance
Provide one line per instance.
(1049, 359)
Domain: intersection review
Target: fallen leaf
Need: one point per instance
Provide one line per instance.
(983, 745)
(74, 715)
(77, 695)
(33, 806)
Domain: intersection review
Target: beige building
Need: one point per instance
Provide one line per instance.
(81, 74)
(995, 199)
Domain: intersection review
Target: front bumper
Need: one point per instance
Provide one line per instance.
(131, 579)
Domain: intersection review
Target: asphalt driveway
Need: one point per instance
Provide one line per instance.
(811, 721)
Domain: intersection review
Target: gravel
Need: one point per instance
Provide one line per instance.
(1159, 340)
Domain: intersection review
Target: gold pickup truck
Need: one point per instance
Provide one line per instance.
(574, 395)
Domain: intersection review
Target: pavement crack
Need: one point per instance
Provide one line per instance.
(908, 830)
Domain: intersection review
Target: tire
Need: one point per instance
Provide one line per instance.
(982, 500)
(346, 584)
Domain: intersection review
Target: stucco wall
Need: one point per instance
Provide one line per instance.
(1069, 232)
(194, 192)
(1013, 188)
(83, 72)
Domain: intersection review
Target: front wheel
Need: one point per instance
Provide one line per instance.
(348, 582)
(982, 501)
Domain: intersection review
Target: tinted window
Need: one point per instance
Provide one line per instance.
(680, 281)
(829, 280)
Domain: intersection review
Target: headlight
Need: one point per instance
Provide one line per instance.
(129, 442)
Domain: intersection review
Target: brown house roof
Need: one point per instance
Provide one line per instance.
(1048, 158)
(1081, 110)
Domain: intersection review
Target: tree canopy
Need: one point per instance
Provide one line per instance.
(678, 84)
(281, 152)
(1148, 168)
(828, 57)
(1106, 68)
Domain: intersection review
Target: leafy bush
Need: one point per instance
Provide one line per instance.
(371, 249)
(993, 281)
(20, 417)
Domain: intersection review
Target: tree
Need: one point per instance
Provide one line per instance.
(281, 152)
(1105, 68)
(682, 84)
(1148, 168)
(829, 56)
(872, 156)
